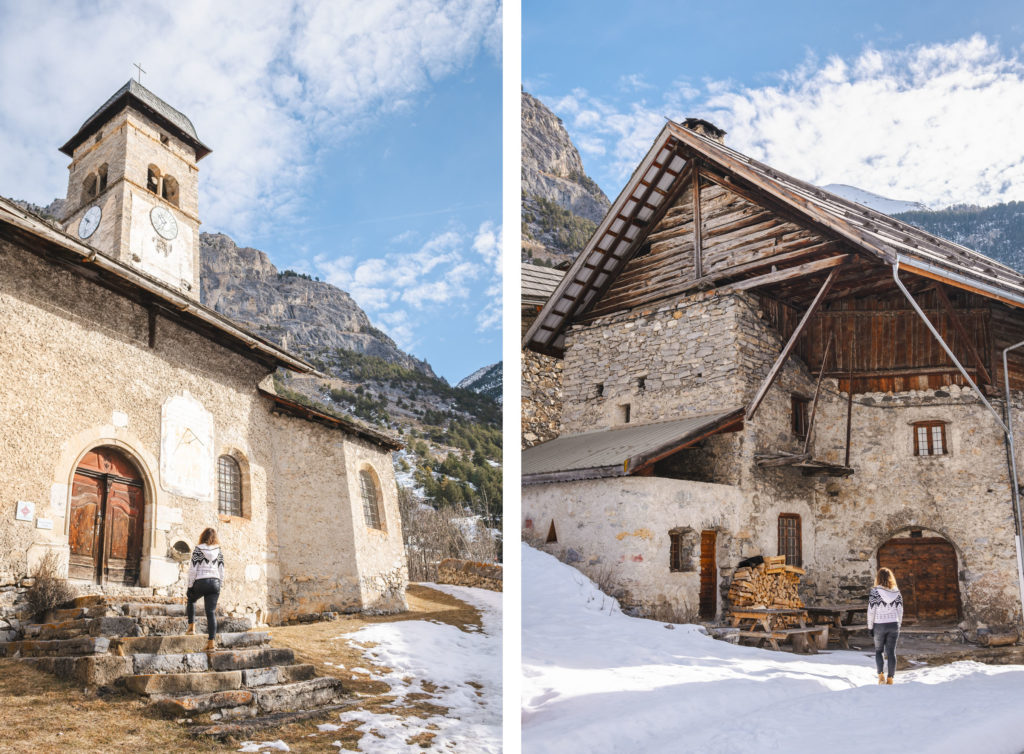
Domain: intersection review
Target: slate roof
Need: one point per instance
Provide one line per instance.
(538, 283)
(139, 97)
(619, 451)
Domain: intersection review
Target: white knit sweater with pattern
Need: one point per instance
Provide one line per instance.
(207, 563)
(884, 606)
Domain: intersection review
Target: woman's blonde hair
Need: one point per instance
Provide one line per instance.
(884, 578)
(209, 537)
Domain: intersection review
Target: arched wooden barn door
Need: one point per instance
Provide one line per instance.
(107, 502)
(926, 572)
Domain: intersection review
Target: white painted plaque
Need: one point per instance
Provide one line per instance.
(44, 523)
(119, 419)
(186, 448)
(25, 510)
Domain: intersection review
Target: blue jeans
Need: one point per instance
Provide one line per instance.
(885, 640)
(209, 590)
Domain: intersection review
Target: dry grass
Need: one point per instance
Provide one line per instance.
(42, 713)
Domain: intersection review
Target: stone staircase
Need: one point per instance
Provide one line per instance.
(243, 684)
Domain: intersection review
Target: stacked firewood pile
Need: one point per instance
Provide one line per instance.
(771, 584)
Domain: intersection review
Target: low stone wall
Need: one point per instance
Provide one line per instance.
(470, 573)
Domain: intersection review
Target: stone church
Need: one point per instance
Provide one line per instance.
(751, 365)
(134, 416)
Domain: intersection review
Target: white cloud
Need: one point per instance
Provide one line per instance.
(403, 289)
(935, 123)
(263, 82)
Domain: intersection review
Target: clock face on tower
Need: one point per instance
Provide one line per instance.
(90, 222)
(164, 223)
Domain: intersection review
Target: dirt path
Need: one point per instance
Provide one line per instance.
(43, 713)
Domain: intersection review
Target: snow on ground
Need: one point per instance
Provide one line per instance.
(451, 660)
(596, 680)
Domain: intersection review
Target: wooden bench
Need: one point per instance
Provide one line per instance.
(800, 638)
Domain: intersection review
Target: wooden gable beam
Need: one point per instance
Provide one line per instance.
(789, 273)
(791, 343)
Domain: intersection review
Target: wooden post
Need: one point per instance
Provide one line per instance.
(817, 390)
(849, 399)
(777, 366)
(698, 254)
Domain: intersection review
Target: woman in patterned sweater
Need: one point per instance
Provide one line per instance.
(885, 614)
(205, 575)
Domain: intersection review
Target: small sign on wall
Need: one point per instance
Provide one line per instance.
(44, 523)
(25, 511)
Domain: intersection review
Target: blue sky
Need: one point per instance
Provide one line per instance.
(912, 100)
(356, 142)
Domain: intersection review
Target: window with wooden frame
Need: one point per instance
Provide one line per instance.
(371, 499)
(229, 487)
(675, 551)
(800, 420)
(790, 543)
(930, 439)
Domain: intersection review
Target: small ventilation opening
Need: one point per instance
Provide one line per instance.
(599, 389)
(916, 533)
(624, 413)
(641, 383)
(552, 534)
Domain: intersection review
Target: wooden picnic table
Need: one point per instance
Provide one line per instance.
(761, 623)
(840, 617)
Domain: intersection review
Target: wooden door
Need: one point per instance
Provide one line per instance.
(926, 572)
(107, 502)
(708, 576)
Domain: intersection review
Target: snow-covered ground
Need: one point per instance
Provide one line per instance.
(450, 659)
(595, 680)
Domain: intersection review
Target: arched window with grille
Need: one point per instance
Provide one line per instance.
(229, 487)
(371, 499)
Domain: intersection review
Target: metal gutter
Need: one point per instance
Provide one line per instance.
(1014, 490)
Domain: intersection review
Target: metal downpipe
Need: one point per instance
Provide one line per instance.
(1014, 490)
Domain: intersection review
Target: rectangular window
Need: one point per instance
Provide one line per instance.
(675, 551)
(789, 538)
(929, 439)
(800, 421)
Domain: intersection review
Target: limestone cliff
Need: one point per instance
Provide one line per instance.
(305, 315)
(561, 204)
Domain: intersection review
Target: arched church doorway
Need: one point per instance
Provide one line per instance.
(926, 571)
(107, 503)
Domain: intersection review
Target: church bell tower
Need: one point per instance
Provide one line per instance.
(133, 186)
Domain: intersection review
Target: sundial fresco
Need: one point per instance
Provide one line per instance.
(186, 448)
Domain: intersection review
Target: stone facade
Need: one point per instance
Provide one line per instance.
(709, 352)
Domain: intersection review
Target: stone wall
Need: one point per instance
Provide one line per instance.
(707, 352)
(470, 573)
(541, 398)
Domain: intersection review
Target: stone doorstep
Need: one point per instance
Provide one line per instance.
(289, 697)
(180, 644)
(81, 645)
(147, 609)
(243, 730)
(183, 683)
(260, 657)
(194, 704)
(93, 670)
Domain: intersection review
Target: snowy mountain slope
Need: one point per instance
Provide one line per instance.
(873, 201)
(596, 680)
(485, 380)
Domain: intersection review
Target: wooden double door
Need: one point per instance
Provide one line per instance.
(926, 572)
(107, 505)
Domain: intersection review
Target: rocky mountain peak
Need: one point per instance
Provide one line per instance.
(305, 315)
(561, 203)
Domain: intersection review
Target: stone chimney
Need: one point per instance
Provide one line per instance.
(704, 128)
